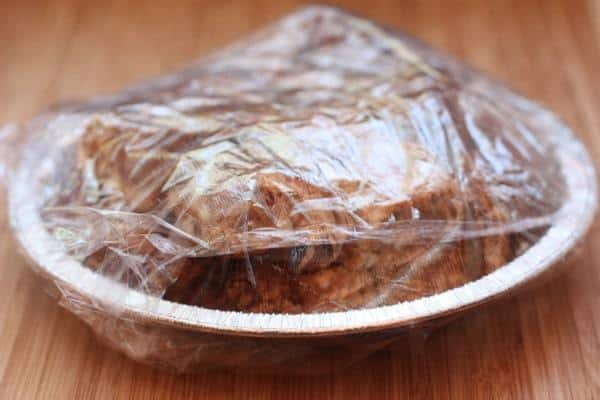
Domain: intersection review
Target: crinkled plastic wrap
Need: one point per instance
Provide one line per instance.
(322, 168)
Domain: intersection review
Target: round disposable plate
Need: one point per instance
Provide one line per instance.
(570, 224)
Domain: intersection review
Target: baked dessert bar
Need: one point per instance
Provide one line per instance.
(324, 164)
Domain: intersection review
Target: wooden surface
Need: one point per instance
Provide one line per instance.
(543, 344)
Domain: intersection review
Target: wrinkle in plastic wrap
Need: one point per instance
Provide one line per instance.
(322, 164)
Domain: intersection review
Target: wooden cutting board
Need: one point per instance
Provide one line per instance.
(543, 344)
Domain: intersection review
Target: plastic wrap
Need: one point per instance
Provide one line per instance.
(322, 178)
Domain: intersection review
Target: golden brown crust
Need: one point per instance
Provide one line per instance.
(341, 273)
(356, 275)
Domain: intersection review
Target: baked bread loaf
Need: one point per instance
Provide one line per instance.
(324, 164)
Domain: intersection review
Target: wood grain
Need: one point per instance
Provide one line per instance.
(543, 344)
